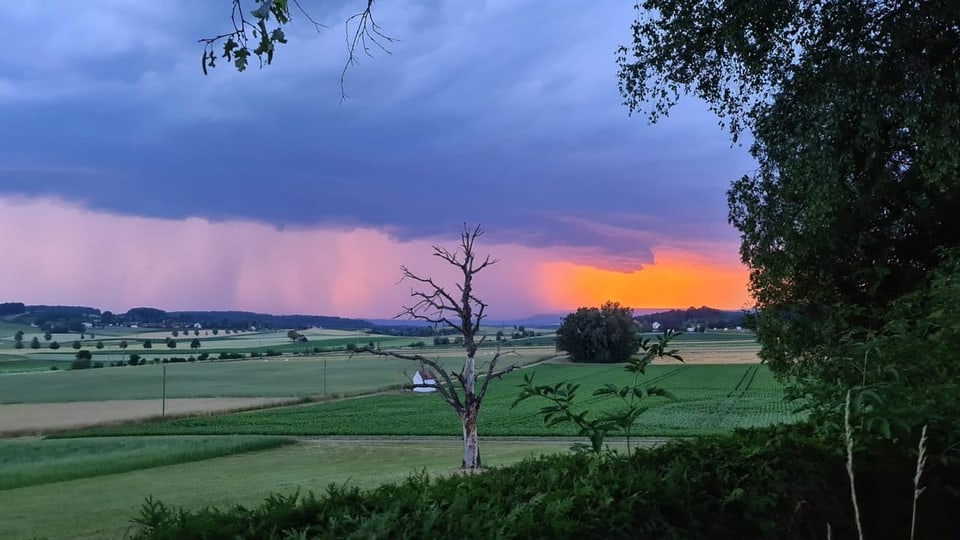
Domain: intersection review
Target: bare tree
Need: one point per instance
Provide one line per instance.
(463, 312)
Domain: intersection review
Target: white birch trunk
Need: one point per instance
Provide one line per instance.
(471, 445)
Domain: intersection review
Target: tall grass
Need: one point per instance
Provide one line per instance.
(32, 462)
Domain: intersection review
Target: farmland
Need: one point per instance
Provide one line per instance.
(32, 462)
(710, 399)
(286, 376)
(101, 507)
(379, 433)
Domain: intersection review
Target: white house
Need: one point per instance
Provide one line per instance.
(422, 383)
(655, 326)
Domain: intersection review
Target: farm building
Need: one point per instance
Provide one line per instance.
(423, 381)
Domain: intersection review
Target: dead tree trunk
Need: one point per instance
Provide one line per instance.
(462, 312)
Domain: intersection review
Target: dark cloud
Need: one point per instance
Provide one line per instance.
(500, 112)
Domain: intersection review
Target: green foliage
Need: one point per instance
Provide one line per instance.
(83, 360)
(597, 427)
(18, 337)
(99, 344)
(54, 345)
(773, 483)
(605, 335)
(34, 343)
(904, 375)
(853, 111)
(235, 45)
(147, 344)
(47, 336)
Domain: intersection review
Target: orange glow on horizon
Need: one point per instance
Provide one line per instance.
(676, 279)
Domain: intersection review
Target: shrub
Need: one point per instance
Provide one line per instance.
(80, 363)
(773, 483)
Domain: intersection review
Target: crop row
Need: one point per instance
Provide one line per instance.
(704, 404)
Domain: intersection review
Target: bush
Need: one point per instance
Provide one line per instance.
(773, 483)
(81, 363)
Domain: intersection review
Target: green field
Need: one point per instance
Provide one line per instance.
(28, 462)
(97, 483)
(265, 377)
(101, 507)
(710, 399)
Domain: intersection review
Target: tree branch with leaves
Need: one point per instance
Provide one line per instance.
(257, 32)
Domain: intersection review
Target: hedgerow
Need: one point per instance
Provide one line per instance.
(772, 483)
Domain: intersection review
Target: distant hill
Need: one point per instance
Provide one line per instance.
(692, 317)
(79, 318)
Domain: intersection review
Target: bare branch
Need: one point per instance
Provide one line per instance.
(367, 30)
(447, 390)
(491, 374)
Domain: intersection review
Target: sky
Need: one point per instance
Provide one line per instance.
(129, 178)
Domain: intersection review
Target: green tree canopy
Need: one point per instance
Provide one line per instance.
(605, 334)
(854, 111)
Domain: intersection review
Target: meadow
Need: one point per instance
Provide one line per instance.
(281, 376)
(362, 429)
(29, 462)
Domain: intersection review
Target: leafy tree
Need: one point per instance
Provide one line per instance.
(463, 312)
(34, 343)
(215, 331)
(54, 345)
(47, 336)
(18, 336)
(604, 335)
(175, 333)
(147, 344)
(135, 360)
(83, 360)
(171, 343)
(99, 344)
(196, 332)
(76, 344)
(852, 110)
(18, 344)
(195, 344)
(123, 344)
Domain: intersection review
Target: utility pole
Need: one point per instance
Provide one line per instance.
(163, 395)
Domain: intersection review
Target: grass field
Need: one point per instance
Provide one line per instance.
(711, 399)
(19, 419)
(267, 377)
(101, 507)
(28, 462)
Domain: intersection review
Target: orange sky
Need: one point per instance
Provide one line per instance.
(676, 279)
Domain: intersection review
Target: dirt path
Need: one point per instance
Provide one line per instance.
(560, 442)
(35, 418)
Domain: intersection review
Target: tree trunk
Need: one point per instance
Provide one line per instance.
(471, 445)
